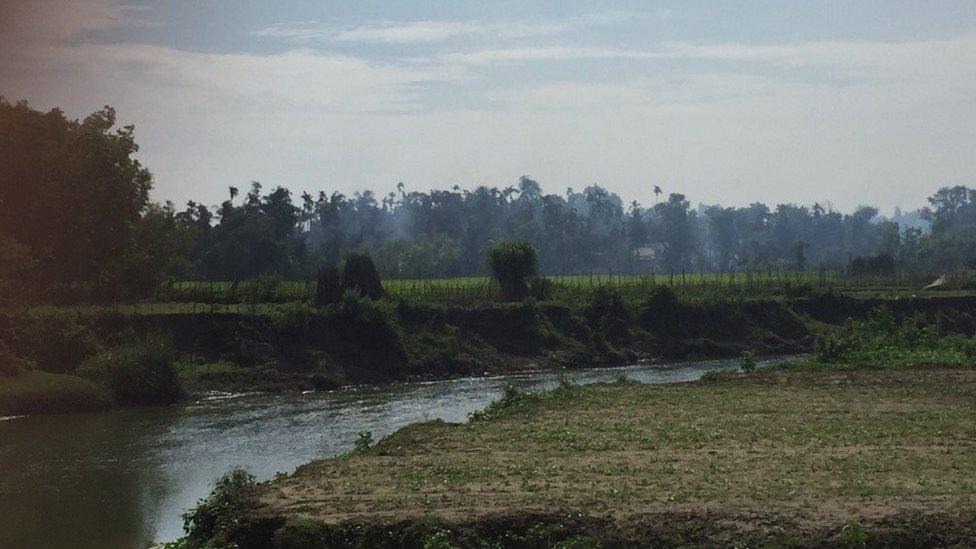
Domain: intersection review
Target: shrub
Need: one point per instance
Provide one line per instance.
(328, 287)
(55, 342)
(263, 289)
(747, 361)
(359, 275)
(876, 265)
(214, 518)
(540, 289)
(607, 314)
(512, 262)
(364, 441)
(292, 319)
(661, 311)
(12, 364)
(139, 373)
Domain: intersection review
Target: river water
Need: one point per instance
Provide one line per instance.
(123, 478)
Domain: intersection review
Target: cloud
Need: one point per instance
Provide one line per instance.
(430, 31)
(553, 53)
(54, 21)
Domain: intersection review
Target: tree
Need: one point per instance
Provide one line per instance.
(359, 275)
(70, 191)
(800, 252)
(512, 262)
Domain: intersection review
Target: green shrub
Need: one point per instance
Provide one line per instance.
(263, 289)
(56, 343)
(292, 319)
(661, 311)
(302, 533)
(214, 519)
(883, 340)
(141, 373)
(359, 275)
(511, 263)
(540, 289)
(747, 361)
(12, 364)
(328, 286)
(364, 441)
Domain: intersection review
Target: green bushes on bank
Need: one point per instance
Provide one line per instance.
(55, 342)
(884, 340)
(136, 374)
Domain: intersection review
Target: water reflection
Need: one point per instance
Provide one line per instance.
(123, 478)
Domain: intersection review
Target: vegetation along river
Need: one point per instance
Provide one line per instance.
(123, 478)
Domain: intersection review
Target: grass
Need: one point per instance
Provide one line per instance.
(36, 392)
(481, 288)
(813, 450)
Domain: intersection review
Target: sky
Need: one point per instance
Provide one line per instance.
(846, 103)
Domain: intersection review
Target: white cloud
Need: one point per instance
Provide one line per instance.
(410, 32)
(552, 53)
(431, 30)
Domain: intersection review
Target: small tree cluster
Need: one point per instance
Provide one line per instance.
(512, 263)
(358, 275)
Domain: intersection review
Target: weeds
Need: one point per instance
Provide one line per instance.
(364, 441)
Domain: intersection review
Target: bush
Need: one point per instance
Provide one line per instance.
(512, 262)
(214, 518)
(876, 265)
(328, 286)
(883, 340)
(359, 275)
(55, 342)
(540, 289)
(12, 364)
(263, 289)
(747, 361)
(661, 311)
(138, 374)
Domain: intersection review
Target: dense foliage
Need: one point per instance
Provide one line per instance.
(884, 340)
(75, 218)
(512, 263)
(137, 374)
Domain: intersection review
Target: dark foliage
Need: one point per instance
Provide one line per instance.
(217, 518)
(876, 265)
(512, 262)
(359, 275)
(55, 342)
(328, 286)
(137, 374)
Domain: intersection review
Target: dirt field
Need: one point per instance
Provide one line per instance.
(751, 456)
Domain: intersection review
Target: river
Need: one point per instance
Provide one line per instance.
(123, 478)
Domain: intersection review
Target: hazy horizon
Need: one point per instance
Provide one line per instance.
(800, 103)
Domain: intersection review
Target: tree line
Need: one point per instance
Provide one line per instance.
(75, 212)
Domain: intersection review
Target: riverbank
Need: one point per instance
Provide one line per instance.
(297, 347)
(776, 457)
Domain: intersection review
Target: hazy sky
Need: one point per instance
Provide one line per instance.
(728, 102)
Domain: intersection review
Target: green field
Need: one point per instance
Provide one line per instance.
(571, 287)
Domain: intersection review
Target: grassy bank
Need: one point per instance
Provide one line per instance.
(296, 346)
(37, 392)
(776, 457)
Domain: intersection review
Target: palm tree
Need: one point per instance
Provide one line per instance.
(657, 192)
